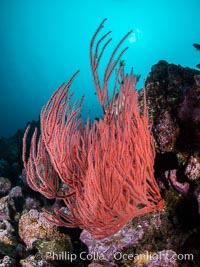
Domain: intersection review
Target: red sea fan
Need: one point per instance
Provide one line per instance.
(103, 171)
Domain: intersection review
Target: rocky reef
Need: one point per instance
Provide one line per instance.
(167, 238)
(173, 95)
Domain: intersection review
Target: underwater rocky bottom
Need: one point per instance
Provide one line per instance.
(170, 237)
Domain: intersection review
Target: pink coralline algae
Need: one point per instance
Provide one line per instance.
(106, 248)
(31, 203)
(171, 176)
(192, 170)
(16, 192)
(35, 226)
(130, 235)
(7, 262)
(31, 261)
(4, 208)
(164, 258)
(7, 239)
(96, 264)
(166, 133)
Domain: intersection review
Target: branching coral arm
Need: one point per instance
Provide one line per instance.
(95, 58)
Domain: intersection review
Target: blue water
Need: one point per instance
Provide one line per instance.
(43, 42)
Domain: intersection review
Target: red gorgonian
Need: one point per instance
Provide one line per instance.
(103, 171)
